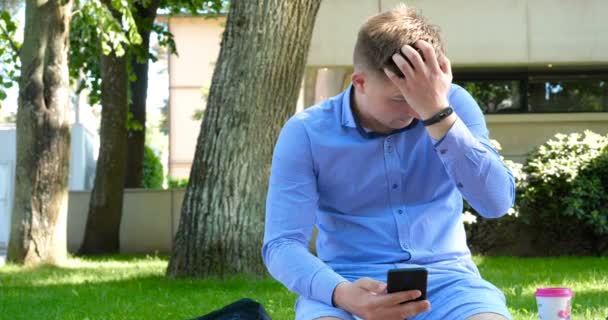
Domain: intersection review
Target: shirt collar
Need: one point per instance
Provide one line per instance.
(348, 119)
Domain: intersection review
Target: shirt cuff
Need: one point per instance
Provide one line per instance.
(323, 284)
(457, 143)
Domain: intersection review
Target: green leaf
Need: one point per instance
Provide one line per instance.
(4, 15)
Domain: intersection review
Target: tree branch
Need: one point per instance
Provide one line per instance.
(13, 43)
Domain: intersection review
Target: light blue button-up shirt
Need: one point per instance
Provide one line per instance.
(377, 200)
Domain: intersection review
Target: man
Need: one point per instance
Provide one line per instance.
(382, 169)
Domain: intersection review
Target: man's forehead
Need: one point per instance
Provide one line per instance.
(393, 92)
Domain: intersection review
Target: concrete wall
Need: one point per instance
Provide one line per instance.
(7, 178)
(150, 219)
(198, 45)
(521, 133)
(84, 149)
(480, 32)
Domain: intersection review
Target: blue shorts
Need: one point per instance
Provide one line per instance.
(456, 291)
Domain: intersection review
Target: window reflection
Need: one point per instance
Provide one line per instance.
(580, 94)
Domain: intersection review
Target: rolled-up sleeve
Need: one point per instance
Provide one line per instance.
(290, 213)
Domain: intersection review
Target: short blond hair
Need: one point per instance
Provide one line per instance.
(383, 35)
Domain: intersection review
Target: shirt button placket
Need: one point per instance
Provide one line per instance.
(403, 228)
(400, 214)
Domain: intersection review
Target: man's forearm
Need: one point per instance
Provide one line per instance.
(438, 130)
(291, 263)
(476, 170)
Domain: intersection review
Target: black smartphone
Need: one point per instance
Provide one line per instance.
(405, 279)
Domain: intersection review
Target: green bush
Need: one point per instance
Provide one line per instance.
(562, 183)
(588, 199)
(561, 202)
(178, 183)
(153, 170)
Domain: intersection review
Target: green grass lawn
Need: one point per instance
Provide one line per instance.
(135, 288)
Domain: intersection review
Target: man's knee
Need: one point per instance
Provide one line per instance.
(487, 316)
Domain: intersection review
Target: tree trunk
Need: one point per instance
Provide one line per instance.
(139, 92)
(105, 207)
(38, 228)
(254, 90)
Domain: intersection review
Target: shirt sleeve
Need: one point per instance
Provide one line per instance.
(290, 213)
(471, 162)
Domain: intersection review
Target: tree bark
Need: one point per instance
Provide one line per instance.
(105, 207)
(139, 92)
(254, 90)
(39, 216)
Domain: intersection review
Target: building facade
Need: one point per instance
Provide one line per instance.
(536, 67)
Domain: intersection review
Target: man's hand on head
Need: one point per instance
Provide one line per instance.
(367, 298)
(426, 80)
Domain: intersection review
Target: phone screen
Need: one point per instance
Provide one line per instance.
(405, 279)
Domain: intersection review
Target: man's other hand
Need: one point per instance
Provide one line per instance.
(367, 298)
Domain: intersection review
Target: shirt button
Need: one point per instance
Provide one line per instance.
(459, 185)
(395, 186)
(400, 211)
(443, 151)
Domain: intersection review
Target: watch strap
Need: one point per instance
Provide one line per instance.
(444, 113)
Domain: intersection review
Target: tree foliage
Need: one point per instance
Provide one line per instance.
(9, 53)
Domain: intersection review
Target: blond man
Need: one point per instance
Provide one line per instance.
(382, 170)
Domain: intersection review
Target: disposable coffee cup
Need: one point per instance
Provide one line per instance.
(554, 303)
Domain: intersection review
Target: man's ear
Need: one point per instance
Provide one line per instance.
(358, 80)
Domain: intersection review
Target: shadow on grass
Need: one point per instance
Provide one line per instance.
(94, 293)
(138, 289)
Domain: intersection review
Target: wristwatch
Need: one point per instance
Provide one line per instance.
(444, 113)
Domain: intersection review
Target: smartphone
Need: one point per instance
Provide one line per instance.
(405, 279)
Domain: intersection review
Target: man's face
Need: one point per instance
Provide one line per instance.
(383, 101)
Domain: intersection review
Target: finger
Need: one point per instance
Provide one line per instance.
(380, 289)
(393, 77)
(372, 285)
(396, 298)
(404, 66)
(428, 52)
(414, 57)
(402, 296)
(445, 65)
(412, 309)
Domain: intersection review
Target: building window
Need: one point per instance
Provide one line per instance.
(574, 94)
(501, 96)
(523, 92)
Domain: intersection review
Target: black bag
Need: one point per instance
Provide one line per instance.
(244, 309)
